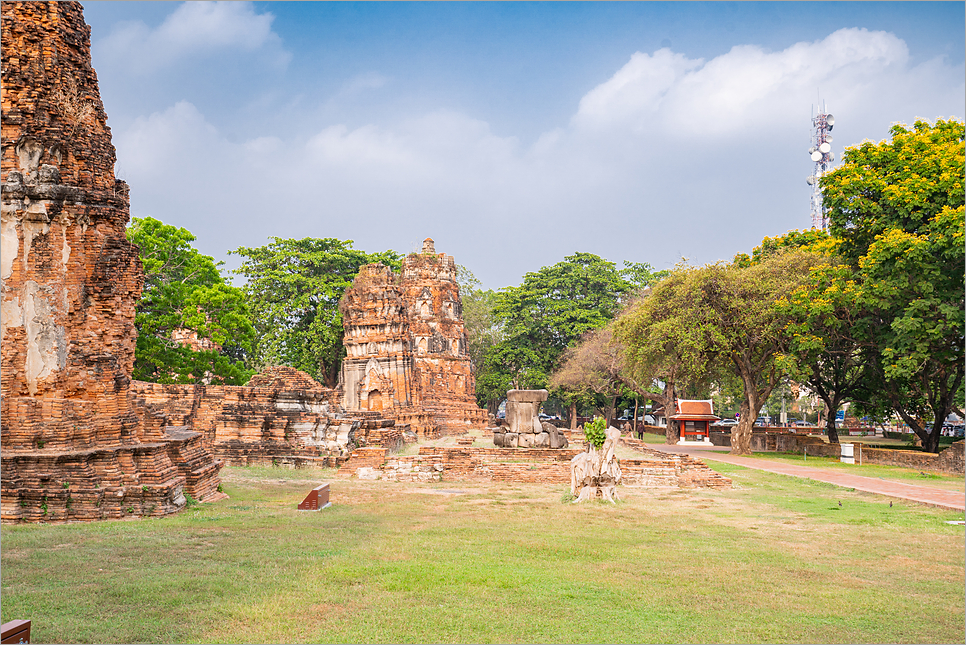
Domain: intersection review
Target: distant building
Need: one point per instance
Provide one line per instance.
(694, 419)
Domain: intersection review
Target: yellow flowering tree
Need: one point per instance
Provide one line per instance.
(896, 211)
(824, 350)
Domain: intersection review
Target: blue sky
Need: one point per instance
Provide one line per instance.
(514, 134)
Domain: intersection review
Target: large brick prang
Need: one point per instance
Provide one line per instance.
(406, 346)
(69, 284)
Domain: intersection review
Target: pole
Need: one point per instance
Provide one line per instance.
(806, 453)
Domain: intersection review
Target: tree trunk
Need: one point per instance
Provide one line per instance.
(930, 443)
(596, 472)
(573, 415)
(671, 434)
(741, 433)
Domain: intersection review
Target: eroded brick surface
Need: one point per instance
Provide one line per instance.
(653, 469)
(282, 417)
(407, 353)
(76, 446)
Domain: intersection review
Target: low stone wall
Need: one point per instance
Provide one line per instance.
(525, 465)
(948, 461)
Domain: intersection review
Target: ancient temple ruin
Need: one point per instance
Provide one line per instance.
(407, 354)
(76, 444)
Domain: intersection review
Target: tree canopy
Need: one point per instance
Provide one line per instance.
(548, 312)
(186, 296)
(897, 208)
(293, 288)
(700, 322)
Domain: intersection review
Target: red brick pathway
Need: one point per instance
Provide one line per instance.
(922, 494)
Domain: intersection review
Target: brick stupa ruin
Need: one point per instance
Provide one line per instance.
(76, 443)
(407, 354)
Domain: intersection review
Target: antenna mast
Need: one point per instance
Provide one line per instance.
(821, 153)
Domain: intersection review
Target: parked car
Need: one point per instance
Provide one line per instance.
(762, 422)
(725, 423)
(804, 424)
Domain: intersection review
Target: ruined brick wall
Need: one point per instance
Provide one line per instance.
(74, 444)
(652, 469)
(406, 346)
(286, 418)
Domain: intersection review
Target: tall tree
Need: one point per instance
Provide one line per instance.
(826, 350)
(898, 209)
(699, 321)
(483, 328)
(651, 332)
(597, 368)
(192, 325)
(548, 312)
(294, 288)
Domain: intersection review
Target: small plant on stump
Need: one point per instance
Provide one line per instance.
(596, 473)
(594, 432)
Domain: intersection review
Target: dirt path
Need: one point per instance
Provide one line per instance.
(923, 494)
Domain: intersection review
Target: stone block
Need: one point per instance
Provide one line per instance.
(541, 440)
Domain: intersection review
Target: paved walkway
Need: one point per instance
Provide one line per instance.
(922, 494)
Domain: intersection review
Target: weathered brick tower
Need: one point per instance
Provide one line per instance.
(76, 444)
(406, 346)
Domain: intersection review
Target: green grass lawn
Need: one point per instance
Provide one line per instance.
(776, 559)
(894, 473)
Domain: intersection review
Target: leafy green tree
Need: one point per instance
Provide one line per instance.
(826, 350)
(897, 208)
(548, 312)
(642, 275)
(186, 296)
(699, 322)
(293, 288)
(596, 370)
(483, 329)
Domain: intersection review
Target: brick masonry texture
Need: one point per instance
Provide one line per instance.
(75, 443)
(407, 354)
(653, 469)
(281, 417)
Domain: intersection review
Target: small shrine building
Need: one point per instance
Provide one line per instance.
(694, 419)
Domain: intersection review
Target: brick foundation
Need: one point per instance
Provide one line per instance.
(653, 469)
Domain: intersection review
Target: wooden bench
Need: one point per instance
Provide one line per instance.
(16, 631)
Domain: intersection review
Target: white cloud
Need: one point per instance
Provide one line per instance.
(745, 86)
(193, 29)
(669, 157)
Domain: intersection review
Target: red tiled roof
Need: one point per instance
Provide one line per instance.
(697, 410)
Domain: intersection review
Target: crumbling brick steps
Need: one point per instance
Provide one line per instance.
(107, 482)
(691, 472)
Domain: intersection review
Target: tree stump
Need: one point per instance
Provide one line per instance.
(596, 473)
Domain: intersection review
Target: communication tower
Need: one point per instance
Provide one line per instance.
(821, 153)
